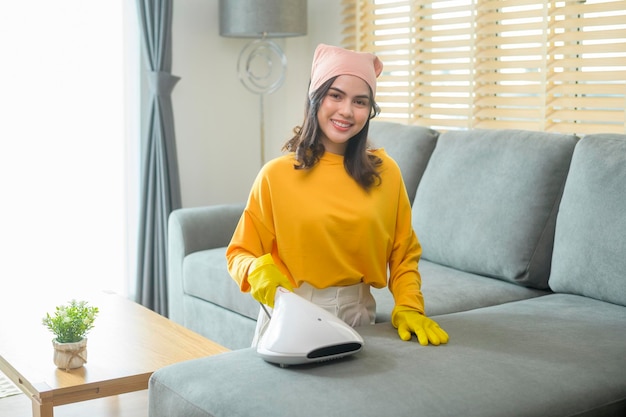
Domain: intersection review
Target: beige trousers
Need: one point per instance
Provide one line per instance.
(353, 304)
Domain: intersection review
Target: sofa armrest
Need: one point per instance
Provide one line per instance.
(191, 230)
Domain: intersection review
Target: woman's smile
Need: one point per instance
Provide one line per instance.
(341, 125)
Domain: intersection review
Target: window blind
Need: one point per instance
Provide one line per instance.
(539, 65)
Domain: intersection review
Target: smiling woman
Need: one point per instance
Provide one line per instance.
(64, 159)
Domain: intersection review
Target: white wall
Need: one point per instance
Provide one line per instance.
(217, 119)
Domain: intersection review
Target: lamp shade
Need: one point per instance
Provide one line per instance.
(263, 18)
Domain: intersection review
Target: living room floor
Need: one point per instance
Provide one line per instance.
(134, 404)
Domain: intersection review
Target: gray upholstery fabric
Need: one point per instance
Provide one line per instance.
(205, 276)
(226, 327)
(191, 230)
(448, 290)
(488, 199)
(485, 208)
(409, 146)
(558, 355)
(590, 246)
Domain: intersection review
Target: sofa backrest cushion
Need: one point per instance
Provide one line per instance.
(590, 242)
(487, 202)
(409, 146)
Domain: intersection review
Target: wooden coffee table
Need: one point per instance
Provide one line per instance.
(128, 343)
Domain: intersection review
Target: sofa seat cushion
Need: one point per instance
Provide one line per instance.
(205, 276)
(447, 290)
(229, 329)
(558, 355)
(488, 199)
(590, 243)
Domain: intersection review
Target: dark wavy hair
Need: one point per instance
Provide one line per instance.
(308, 148)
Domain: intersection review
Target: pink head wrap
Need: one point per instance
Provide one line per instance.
(330, 61)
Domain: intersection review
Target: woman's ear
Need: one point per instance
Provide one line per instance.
(374, 110)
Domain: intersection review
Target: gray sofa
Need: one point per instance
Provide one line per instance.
(524, 265)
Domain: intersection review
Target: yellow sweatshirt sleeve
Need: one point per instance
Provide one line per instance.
(254, 235)
(404, 278)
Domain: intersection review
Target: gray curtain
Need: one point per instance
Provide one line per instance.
(160, 184)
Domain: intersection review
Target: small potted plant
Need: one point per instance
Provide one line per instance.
(70, 324)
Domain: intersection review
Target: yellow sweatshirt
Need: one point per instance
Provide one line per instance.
(322, 228)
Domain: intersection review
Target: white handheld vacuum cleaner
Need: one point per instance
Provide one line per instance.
(301, 332)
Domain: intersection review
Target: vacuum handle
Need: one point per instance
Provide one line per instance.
(269, 316)
(279, 289)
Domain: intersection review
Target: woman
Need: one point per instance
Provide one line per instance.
(329, 219)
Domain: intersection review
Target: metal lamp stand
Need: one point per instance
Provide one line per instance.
(261, 68)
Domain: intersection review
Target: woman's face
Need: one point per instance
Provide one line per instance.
(343, 112)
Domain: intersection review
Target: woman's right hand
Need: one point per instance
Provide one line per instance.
(264, 277)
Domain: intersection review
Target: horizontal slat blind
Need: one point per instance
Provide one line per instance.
(444, 68)
(586, 89)
(349, 22)
(384, 29)
(454, 64)
(510, 60)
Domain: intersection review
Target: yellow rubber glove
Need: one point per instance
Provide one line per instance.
(409, 321)
(264, 277)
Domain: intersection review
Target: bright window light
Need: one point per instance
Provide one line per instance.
(63, 153)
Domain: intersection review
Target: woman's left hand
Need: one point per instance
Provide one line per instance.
(409, 321)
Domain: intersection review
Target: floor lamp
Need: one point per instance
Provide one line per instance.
(262, 64)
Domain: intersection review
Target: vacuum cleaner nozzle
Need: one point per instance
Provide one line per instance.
(301, 332)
